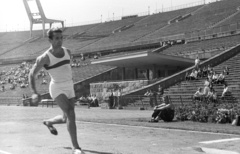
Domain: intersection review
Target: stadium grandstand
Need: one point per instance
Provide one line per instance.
(133, 54)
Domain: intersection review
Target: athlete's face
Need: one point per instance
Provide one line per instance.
(57, 40)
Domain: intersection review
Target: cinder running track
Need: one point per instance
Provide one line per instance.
(22, 132)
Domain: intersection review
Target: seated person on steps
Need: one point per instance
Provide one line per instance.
(206, 89)
(212, 95)
(221, 78)
(225, 90)
(164, 111)
(197, 95)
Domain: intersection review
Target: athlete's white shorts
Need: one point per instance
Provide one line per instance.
(55, 89)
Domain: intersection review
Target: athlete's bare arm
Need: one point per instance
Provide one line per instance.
(69, 52)
(40, 62)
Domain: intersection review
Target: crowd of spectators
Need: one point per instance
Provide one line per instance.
(90, 100)
(208, 93)
(83, 60)
(17, 76)
(154, 96)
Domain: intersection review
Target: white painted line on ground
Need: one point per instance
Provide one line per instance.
(218, 141)
(217, 151)
(4, 152)
(173, 129)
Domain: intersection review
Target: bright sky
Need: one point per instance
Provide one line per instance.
(13, 15)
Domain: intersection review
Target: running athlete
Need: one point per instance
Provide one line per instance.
(56, 61)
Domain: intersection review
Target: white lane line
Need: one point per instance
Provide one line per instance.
(218, 141)
(172, 129)
(4, 152)
(217, 151)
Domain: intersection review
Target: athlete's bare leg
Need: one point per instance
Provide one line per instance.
(60, 119)
(67, 106)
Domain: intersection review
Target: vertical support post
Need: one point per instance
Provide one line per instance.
(135, 73)
(123, 73)
(147, 74)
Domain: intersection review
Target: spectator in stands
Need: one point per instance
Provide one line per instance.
(209, 96)
(214, 96)
(199, 73)
(12, 87)
(226, 70)
(206, 89)
(23, 96)
(82, 57)
(164, 111)
(205, 71)
(193, 75)
(209, 77)
(197, 96)
(95, 57)
(214, 77)
(3, 88)
(160, 92)
(209, 69)
(221, 78)
(154, 97)
(111, 101)
(187, 76)
(91, 101)
(197, 63)
(118, 97)
(23, 85)
(83, 99)
(225, 91)
(149, 94)
(95, 101)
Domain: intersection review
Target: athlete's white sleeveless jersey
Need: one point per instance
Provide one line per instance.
(59, 69)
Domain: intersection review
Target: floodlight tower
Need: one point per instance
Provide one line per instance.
(38, 17)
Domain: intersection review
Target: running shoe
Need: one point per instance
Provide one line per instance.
(78, 151)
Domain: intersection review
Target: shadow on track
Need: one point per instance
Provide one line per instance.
(91, 151)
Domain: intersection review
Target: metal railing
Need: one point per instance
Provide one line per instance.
(10, 101)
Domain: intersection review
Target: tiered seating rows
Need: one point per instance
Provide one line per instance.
(28, 49)
(109, 27)
(209, 15)
(190, 87)
(141, 28)
(205, 45)
(17, 37)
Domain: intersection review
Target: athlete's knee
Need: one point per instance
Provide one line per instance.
(71, 114)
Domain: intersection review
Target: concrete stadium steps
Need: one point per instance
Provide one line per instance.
(18, 37)
(28, 49)
(231, 20)
(7, 47)
(141, 28)
(75, 45)
(107, 28)
(190, 87)
(77, 29)
(218, 44)
(207, 16)
(165, 19)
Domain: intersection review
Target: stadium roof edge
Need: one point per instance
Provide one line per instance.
(144, 59)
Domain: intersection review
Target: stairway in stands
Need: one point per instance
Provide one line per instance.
(187, 88)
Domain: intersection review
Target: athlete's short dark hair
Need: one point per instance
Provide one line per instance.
(53, 30)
